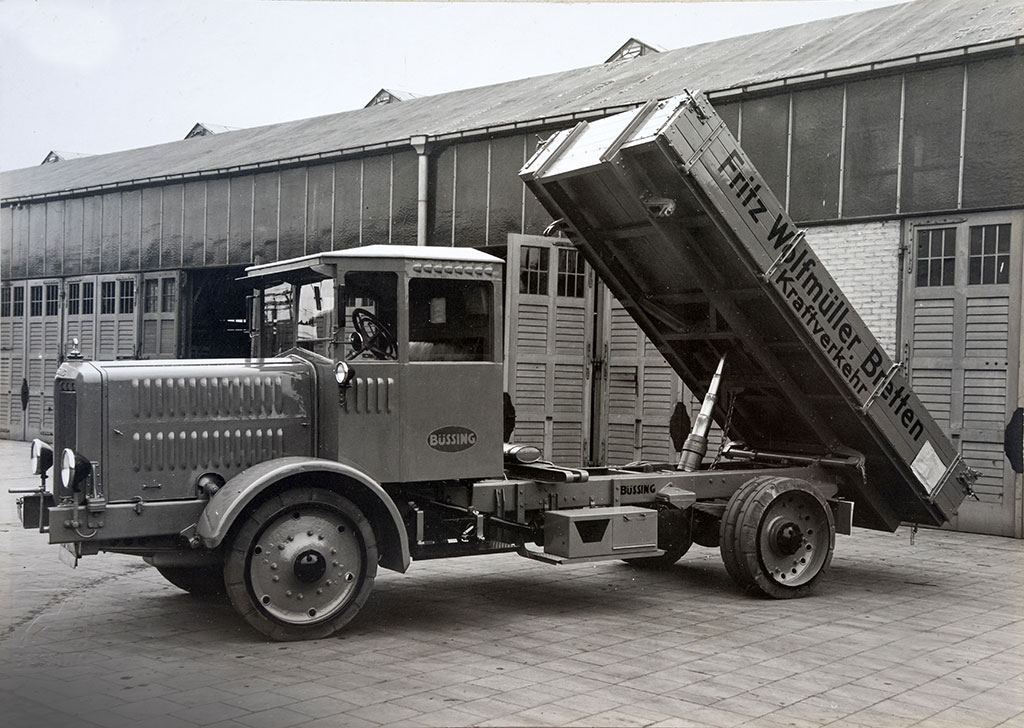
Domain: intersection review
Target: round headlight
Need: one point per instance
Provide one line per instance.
(73, 468)
(342, 373)
(41, 457)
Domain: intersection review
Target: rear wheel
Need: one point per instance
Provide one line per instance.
(777, 536)
(302, 564)
(200, 581)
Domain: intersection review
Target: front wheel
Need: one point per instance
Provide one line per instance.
(200, 581)
(777, 536)
(302, 564)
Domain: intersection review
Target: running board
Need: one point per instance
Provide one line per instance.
(560, 560)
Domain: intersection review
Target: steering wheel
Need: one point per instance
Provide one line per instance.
(373, 336)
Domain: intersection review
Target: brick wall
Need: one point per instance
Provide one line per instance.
(864, 260)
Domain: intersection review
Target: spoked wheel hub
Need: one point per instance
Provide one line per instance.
(305, 565)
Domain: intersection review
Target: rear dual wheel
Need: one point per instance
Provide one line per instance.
(302, 564)
(777, 536)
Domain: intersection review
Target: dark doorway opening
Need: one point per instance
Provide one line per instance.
(218, 314)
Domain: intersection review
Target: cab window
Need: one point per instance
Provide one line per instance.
(450, 320)
(370, 324)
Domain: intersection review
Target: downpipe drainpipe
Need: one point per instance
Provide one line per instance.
(419, 144)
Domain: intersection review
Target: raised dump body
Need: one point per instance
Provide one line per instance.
(677, 222)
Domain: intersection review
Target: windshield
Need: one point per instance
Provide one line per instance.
(298, 316)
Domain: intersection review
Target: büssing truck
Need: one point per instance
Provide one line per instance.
(366, 430)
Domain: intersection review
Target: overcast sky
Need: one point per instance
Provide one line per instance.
(96, 76)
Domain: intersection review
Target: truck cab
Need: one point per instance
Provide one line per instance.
(416, 337)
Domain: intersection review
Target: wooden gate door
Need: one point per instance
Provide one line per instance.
(639, 391)
(550, 337)
(80, 322)
(117, 321)
(43, 355)
(961, 329)
(13, 384)
(160, 315)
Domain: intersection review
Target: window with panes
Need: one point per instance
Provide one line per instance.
(5, 302)
(533, 270)
(74, 299)
(52, 299)
(168, 295)
(108, 297)
(88, 298)
(571, 275)
(35, 301)
(936, 257)
(126, 299)
(19, 302)
(988, 260)
(151, 296)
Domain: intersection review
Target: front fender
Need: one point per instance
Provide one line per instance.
(230, 502)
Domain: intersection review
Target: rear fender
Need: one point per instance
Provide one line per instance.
(232, 500)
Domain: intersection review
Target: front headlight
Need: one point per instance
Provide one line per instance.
(343, 373)
(41, 457)
(73, 469)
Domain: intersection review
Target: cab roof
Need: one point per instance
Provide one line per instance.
(318, 266)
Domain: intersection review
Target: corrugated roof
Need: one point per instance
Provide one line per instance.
(914, 29)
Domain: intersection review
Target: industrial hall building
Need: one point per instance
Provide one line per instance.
(894, 137)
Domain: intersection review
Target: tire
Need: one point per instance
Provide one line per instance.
(777, 537)
(674, 537)
(301, 564)
(199, 581)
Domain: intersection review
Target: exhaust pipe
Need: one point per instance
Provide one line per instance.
(696, 445)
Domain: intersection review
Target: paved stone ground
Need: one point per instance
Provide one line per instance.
(901, 634)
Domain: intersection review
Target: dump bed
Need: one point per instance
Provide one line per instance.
(677, 222)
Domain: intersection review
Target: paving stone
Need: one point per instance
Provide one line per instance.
(895, 635)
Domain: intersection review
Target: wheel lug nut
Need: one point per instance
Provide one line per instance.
(276, 578)
(291, 538)
(299, 596)
(288, 593)
(319, 591)
(334, 551)
(309, 532)
(320, 537)
(273, 566)
(280, 547)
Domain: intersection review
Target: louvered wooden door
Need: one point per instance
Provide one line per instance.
(639, 392)
(962, 336)
(550, 338)
(13, 404)
(160, 307)
(117, 320)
